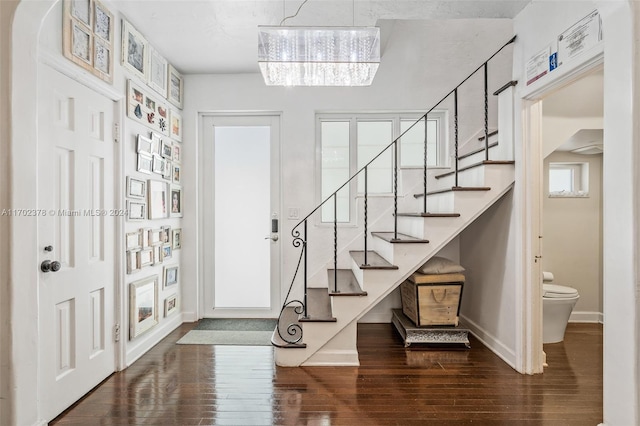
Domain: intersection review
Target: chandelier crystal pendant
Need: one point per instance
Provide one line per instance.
(318, 56)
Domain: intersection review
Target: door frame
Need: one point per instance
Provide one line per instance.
(532, 188)
(19, 406)
(205, 237)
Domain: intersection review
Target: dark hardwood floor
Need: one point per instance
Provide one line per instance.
(234, 385)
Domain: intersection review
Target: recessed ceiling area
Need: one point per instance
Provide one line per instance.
(220, 36)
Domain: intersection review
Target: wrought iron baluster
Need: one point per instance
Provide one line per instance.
(305, 247)
(486, 113)
(366, 212)
(455, 127)
(395, 190)
(425, 165)
(335, 242)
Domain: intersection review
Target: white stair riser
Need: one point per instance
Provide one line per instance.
(469, 177)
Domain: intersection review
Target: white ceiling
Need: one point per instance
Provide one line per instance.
(220, 36)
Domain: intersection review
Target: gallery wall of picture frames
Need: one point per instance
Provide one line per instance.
(151, 247)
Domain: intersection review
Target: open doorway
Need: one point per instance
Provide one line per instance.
(571, 213)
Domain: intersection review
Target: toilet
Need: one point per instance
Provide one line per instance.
(557, 303)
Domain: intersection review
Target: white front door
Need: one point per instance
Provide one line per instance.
(241, 210)
(75, 186)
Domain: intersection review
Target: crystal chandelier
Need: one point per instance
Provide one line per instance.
(318, 56)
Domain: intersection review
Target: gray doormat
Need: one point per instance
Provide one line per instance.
(240, 332)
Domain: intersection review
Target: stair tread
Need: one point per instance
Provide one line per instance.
(401, 238)
(472, 166)
(455, 189)
(318, 306)
(429, 214)
(347, 283)
(374, 260)
(288, 317)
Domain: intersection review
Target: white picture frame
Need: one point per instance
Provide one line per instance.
(175, 87)
(133, 240)
(145, 257)
(144, 144)
(157, 75)
(175, 196)
(136, 188)
(136, 210)
(147, 109)
(170, 305)
(175, 175)
(143, 305)
(170, 275)
(132, 261)
(176, 239)
(157, 199)
(135, 51)
(175, 125)
(158, 164)
(144, 163)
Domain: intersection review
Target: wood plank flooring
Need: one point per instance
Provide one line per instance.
(235, 385)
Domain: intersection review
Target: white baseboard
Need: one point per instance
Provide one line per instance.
(491, 342)
(144, 343)
(586, 316)
(333, 358)
(189, 317)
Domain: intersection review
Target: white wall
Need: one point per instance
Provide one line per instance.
(422, 61)
(19, 310)
(488, 299)
(572, 230)
(538, 25)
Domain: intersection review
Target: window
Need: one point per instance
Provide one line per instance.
(568, 179)
(348, 142)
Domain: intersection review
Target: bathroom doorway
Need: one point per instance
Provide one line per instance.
(571, 205)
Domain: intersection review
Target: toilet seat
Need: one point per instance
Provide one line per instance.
(554, 291)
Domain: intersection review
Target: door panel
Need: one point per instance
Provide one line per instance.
(76, 303)
(241, 198)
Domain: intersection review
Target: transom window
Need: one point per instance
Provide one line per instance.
(347, 142)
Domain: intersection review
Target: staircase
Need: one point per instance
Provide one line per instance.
(317, 325)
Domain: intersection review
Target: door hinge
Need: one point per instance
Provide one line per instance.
(116, 333)
(116, 132)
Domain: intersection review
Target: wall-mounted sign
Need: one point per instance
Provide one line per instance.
(538, 65)
(582, 36)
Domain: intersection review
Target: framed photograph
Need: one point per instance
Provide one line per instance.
(136, 188)
(166, 251)
(136, 210)
(145, 257)
(144, 144)
(170, 275)
(156, 143)
(177, 152)
(175, 87)
(145, 163)
(132, 261)
(166, 150)
(143, 305)
(157, 72)
(170, 305)
(81, 10)
(133, 240)
(176, 201)
(175, 126)
(145, 237)
(146, 109)
(81, 43)
(157, 255)
(103, 22)
(87, 36)
(135, 50)
(168, 170)
(158, 165)
(176, 173)
(176, 239)
(155, 236)
(157, 199)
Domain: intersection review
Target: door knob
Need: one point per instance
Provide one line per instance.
(273, 237)
(50, 266)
